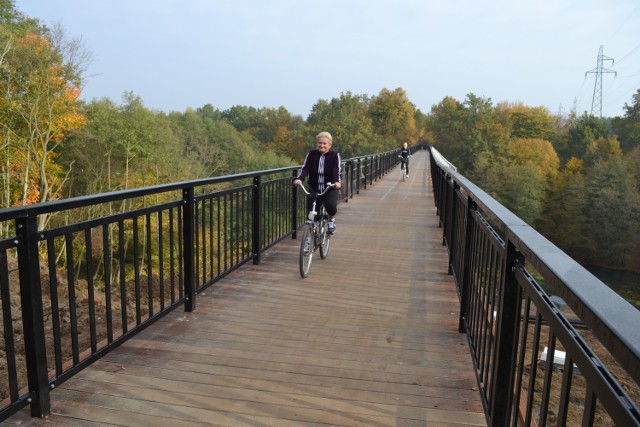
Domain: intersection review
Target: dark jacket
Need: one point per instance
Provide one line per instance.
(321, 169)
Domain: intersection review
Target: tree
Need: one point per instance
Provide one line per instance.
(538, 153)
(602, 150)
(628, 127)
(205, 158)
(347, 119)
(586, 129)
(470, 133)
(43, 76)
(612, 219)
(563, 220)
(529, 122)
(243, 118)
(633, 164)
(392, 117)
(520, 180)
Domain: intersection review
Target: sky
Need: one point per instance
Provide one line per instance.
(181, 54)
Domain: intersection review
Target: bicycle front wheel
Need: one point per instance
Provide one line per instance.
(325, 240)
(306, 250)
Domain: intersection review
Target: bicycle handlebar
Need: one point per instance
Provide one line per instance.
(328, 187)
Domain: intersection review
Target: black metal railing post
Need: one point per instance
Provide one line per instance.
(257, 215)
(294, 209)
(188, 248)
(465, 275)
(358, 174)
(348, 181)
(508, 317)
(453, 243)
(444, 209)
(32, 316)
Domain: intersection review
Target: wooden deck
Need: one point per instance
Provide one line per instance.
(368, 339)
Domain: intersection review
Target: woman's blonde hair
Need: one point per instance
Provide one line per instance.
(325, 135)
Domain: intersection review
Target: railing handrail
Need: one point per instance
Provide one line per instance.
(491, 255)
(186, 243)
(600, 307)
(95, 199)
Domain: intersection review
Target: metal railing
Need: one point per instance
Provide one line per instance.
(537, 361)
(107, 266)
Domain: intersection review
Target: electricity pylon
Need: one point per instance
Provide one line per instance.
(596, 103)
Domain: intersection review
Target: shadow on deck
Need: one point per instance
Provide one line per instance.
(369, 338)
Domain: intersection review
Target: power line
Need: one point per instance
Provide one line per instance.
(596, 102)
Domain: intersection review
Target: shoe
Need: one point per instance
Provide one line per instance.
(407, 175)
(332, 227)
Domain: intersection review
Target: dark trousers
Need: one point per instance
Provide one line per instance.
(407, 162)
(329, 200)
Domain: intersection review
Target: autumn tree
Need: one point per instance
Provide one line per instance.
(563, 220)
(281, 132)
(528, 122)
(472, 134)
(602, 150)
(40, 90)
(586, 129)
(520, 180)
(612, 218)
(392, 117)
(346, 118)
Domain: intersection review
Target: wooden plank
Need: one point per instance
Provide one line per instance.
(369, 338)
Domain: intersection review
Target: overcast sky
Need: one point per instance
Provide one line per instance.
(269, 53)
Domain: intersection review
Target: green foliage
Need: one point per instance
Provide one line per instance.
(612, 215)
(392, 117)
(39, 89)
(633, 165)
(628, 127)
(590, 208)
(467, 131)
(602, 150)
(563, 220)
(347, 119)
(586, 129)
(531, 122)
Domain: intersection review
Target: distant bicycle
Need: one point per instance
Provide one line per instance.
(403, 168)
(315, 233)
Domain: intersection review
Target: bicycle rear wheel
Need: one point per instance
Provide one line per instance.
(306, 250)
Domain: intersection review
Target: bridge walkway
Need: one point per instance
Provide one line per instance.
(368, 339)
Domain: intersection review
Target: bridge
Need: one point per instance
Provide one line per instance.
(409, 321)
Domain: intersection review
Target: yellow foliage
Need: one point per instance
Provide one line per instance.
(537, 153)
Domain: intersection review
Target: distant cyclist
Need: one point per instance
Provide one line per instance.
(404, 155)
(323, 166)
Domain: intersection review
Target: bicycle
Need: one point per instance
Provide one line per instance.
(403, 168)
(315, 233)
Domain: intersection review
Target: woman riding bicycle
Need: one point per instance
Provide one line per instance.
(323, 166)
(404, 156)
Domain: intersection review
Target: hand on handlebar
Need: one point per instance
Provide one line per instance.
(297, 182)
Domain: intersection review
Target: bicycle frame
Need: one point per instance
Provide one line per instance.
(403, 167)
(314, 235)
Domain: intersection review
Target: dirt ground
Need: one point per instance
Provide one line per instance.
(65, 319)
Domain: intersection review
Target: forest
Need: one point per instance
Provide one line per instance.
(575, 177)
